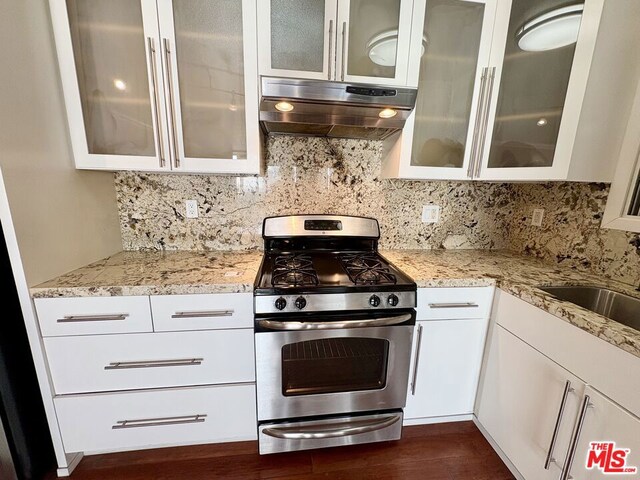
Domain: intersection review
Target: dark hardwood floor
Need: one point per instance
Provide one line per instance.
(429, 452)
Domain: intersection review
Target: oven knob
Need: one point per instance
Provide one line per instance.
(374, 300)
(393, 300)
(300, 303)
(281, 303)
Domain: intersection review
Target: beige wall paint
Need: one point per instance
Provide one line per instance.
(64, 218)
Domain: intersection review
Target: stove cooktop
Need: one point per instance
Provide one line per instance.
(328, 272)
(327, 263)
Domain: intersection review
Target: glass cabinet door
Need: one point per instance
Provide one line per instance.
(539, 44)
(113, 43)
(373, 40)
(449, 56)
(297, 38)
(448, 76)
(207, 83)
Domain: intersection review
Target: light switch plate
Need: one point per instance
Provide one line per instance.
(191, 208)
(430, 214)
(536, 218)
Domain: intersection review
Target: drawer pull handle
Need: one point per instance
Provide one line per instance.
(93, 318)
(157, 422)
(454, 305)
(205, 314)
(181, 362)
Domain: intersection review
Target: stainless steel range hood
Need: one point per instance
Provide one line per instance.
(333, 109)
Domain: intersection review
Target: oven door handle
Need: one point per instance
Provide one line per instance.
(374, 322)
(331, 430)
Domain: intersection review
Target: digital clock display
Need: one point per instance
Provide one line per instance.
(322, 225)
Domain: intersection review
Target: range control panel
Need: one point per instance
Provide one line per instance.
(334, 302)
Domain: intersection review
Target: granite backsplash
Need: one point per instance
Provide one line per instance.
(318, 175)
(570, 233)
(308, 175)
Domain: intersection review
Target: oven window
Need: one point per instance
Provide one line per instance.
(333, 365)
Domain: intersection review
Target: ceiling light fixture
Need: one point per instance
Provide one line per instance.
(382, 48)
(284, 106)
(542, 122)
(119, 84)
(554, 29)
(387, 113)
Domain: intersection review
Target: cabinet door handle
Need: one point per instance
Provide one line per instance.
(566, 468)
(168, 65)
(157, 422)
(344, 49)
(156, 99)
(203, 314)
(485, 121)
(478, 121)
(330, 46)
(180, 362)
(454, 305)
(93, 318)
(414, 379)
(556, 429)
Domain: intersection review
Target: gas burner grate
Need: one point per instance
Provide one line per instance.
(367, 269)
(294, 270)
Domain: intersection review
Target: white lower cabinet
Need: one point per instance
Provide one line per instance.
(136, 420)
(218, 311)
(521, 396)
(603, 422)
(447, 355)
(535, 408)
(93, 315)
(100, 363)
(142, 372)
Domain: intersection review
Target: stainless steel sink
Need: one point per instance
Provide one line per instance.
(616, 306)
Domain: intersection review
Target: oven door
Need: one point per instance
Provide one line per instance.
(330, 365)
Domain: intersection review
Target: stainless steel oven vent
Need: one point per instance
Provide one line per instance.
(333, 109)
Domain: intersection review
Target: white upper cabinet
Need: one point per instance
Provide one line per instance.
(373, 41)
(211, 84)
(160, 86)
(525, 94)
(108, 54)
(623, 204)
(450, 48)
(296, 38)
(342, 40)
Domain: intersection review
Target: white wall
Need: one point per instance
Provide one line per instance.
(64, 218)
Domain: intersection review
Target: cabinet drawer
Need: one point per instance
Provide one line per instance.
(150, 360)
(202, 312)
(452, 303)
(93, 315)
(132, 420)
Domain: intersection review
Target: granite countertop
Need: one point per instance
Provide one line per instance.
(518, 275)
(182, 272)
(157, 273)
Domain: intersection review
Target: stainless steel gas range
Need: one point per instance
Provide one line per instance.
(334, 323)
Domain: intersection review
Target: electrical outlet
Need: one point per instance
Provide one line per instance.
(536, 218)
(191, 208)
(430, 214)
